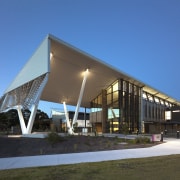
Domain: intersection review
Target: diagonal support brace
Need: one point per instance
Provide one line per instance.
(70, 128)
(70, 131)
(26, 130)
(80, 97)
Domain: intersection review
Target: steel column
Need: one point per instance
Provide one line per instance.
(70, 131)
(80, 97)
(21, 119)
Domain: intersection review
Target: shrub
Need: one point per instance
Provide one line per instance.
(75, 146)
(54, 138)
(141, 140)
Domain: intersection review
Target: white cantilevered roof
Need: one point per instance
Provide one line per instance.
(65, 74)
(65, 78)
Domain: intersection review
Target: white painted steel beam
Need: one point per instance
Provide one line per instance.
(28, 129)
(80, 96)
(31, 118)
(70, 128)
(21, 119)
(35, 99)
(70, 131)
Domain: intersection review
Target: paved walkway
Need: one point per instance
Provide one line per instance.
(172, 146)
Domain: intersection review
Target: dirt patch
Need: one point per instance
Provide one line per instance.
(12, 147)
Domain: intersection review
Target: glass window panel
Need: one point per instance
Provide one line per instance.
(96, 109)
(115, 96)
(144, 96)
(113, 113)
(150, 98)
(99, 99)
(116, 104)
(168, 115)
(109, 101)
(162, 102)
(156, 100)
(109, 90)
(115, 87)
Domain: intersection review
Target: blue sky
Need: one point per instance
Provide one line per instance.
(139, 37)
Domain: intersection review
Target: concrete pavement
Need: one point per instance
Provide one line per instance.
(171, 146)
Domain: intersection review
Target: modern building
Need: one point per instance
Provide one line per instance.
(59, 124)
(55, 73)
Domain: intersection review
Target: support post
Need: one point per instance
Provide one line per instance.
(104, 111)
(28, 129)
(141, 115)
(31, 118)
(85, 117)
(80, 97)
(21, 119)
(70, 131)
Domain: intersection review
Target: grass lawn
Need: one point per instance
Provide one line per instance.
(155, 168)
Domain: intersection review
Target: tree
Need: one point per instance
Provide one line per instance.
(3, 121)
(42, 121)
(125, 129)
(11, 118)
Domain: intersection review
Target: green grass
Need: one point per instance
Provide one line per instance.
(155, 168)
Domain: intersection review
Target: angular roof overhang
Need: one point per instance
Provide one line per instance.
(65, 69)
(161, 95)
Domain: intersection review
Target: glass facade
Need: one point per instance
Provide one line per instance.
(156, 113)
(116, 105)
(125, 103)
(154, 108)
